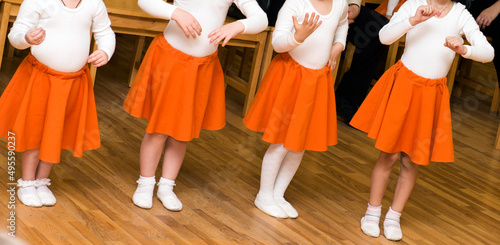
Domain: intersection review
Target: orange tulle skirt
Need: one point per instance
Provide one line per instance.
(382, 8)
(177, 93)
(407, 113)
(295, 106)
(50, 110)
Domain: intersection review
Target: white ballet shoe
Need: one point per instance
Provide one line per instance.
(287, 207)
(370, 225)
(392, 230)
(27, 193)
(167, 196)
(143, 195)
(269, 206)
(48, 199)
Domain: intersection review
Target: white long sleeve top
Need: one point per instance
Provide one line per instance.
(211, 15)
(425, 53)
(67, 42)
(314, 52)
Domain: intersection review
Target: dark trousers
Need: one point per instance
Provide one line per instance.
(492, 31)
(363, 33)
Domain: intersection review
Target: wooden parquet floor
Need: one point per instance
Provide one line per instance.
(452, 203)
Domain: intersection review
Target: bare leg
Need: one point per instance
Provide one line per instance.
(380, 179)
(406, 181)
(380, 176)
(151, 148)
(27, 184)
(43, 170)
(30, 161)
(174, 156)
(172, 161)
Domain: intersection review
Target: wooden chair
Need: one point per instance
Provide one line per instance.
(464, 79)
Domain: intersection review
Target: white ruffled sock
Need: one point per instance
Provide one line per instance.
(143, 195)
(370, 222)
(44, 193)
(392, 228)
(27, 193)
(167, 196)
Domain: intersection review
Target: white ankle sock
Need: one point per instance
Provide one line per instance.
(392, 228)
(44, 193)
(27, 193)
(370, 222)
(290, 211)
(143, 195)
(167, 196)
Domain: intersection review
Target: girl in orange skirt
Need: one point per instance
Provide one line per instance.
(408, 112)
(179, 88)
(49, 103)
(295, 105)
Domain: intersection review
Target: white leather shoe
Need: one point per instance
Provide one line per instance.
(27, 193)
(287, 207)
(44, 193)
(370, 225)
(167, 196)
(392, 230)
(143, 195)
(269, 206)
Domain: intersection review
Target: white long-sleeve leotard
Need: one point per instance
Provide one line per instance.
(67, 42)
(425, 53)
(314, 52)
(211, 15)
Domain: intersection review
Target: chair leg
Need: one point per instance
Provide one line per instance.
(139, 47)
(495, 103)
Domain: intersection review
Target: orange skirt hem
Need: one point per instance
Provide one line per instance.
(177, 93)
(50, 110)
(295, 106)
(405, 112)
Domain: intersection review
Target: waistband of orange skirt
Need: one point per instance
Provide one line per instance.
(429, 82)
(183, 56)
(44, 68)
(287, 58)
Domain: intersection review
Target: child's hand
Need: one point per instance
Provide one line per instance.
(187, 22)
(226, 32)
(456, 45)
(98, 58)
(35, 36)
(334, 55)
(423, 13)
(308, 26)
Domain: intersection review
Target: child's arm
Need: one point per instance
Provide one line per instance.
(24, 33)
(104, 37)
(339, 39)
(404, 20)
(289, 33)
(479, 50)
(161, 9)
(255, 22)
